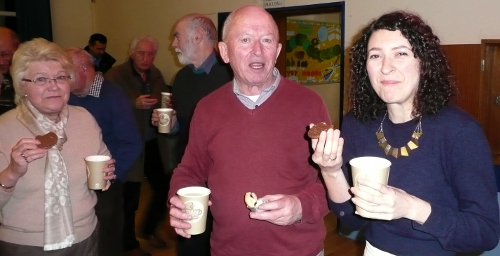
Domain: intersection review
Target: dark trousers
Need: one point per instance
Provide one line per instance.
(197, 245)
(155, 212)
(87, 247)
(109, 211)
(131, 193)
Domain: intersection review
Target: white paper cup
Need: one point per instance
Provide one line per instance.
(95, 175)
(372, 168)
(196, 201)
(165, 116)
(165, 97)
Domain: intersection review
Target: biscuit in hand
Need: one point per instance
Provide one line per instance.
(253, 202)
(47, 141)
(316, 130)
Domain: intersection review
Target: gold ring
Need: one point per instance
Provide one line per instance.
(25, 158)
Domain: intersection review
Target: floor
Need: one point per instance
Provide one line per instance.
(335, 244)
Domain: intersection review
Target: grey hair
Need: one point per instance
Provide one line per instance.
(146, 38)
(79, 52)
(198, 21)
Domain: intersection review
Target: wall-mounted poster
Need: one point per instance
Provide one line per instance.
(313, 51)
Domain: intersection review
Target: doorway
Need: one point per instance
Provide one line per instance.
(332, 93)
(489, 116)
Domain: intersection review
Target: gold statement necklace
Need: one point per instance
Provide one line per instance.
(402, 151)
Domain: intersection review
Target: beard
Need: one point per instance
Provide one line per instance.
(186, 55)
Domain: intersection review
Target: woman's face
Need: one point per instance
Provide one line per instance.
(392, 67)
(51, 97)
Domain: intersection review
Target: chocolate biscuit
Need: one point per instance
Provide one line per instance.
(316, 130)
(47, 141)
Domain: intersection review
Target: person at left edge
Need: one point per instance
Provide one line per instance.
(112, 111)
(47, 207)
(8, 45)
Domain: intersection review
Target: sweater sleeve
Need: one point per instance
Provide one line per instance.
(124, 128)
(469, 170)
(313, 201)
(4, 162)
(313, 198)
(193, 169)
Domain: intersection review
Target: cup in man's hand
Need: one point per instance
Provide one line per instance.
(165, 119)
(196, 201)
(165, 99)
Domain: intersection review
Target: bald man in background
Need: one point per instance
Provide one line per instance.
(8, 45)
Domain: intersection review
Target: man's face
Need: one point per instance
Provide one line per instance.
(183, 43)
(7, 49)
(97, 50)
(251, 47)
(143, 56)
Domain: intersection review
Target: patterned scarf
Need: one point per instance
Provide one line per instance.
(58, 231)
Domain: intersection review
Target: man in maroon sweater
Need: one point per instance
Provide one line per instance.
(249, 136)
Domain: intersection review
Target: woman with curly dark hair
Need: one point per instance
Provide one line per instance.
(441, 194)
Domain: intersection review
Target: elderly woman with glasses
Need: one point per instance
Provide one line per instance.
(45, 202)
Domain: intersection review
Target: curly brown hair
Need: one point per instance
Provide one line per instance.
(436, 85)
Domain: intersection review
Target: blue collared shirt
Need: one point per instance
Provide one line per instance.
(207, 65)
(264, 95)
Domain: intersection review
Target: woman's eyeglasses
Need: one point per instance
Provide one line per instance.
(44, 80)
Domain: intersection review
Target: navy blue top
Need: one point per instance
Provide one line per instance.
(451, 169)
(113, 113)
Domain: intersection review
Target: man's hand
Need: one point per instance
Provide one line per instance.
(145, 101)
(280, 210)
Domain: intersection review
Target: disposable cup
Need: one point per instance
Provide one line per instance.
(165, 116)
(196, 201)
(371, 168)
(95, 176)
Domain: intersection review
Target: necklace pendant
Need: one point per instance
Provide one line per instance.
(405, 151)
(395, 153)
(388, 149)
(413, 144)
(402, 151)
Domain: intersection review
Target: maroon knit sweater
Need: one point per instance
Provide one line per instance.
(266, 151)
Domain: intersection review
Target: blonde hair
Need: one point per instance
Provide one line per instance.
(37, 50)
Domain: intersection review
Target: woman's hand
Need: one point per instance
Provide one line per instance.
(24, 152)
(109, 173)
(328, 151)
(388, 203)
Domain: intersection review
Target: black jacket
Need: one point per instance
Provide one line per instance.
(106, 63)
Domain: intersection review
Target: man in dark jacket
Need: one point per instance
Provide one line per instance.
(97, 49)
(8, 45)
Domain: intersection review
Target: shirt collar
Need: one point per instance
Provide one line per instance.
(207, 65)
(95, 88)
(264, 95)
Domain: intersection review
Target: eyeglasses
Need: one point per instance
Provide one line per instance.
(45, 80)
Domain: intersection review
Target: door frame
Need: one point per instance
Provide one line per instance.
(488, 46)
